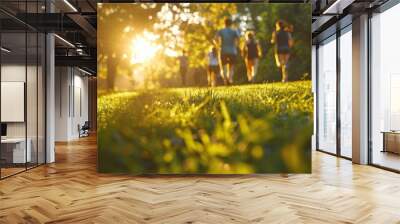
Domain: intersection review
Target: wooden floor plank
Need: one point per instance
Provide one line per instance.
(71, 191)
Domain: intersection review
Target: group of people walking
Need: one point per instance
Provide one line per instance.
(224, 52)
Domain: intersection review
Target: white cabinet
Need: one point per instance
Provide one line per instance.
(17, 145)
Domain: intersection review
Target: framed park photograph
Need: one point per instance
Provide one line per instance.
(204, 88)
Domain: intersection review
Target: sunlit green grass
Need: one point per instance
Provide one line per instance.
(259, 128)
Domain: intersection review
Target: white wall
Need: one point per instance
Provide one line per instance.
(82, 82)
(71, 102)
(62, 82)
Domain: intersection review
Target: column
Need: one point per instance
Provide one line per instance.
(50, 92)
(360, 90)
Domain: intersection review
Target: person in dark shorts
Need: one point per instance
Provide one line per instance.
(283, 41)
(183, 67)
(228, 39)
(251, 54)
(213, 67)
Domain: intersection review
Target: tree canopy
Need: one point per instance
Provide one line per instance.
(169, 28)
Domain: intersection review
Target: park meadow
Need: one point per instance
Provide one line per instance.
(153, 119)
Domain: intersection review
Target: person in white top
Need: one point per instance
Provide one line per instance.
(213, 67)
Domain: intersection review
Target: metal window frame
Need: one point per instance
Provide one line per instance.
(339, 32)
(386, 6)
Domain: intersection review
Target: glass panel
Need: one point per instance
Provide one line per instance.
(327, 96)
(41, 99)
(23, 91)
(313, 78)
(32, 88)
(32, 96)
(13, 86)
(346, 94)
(386, 89)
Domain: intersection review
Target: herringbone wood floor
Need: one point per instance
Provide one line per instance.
(70, 191)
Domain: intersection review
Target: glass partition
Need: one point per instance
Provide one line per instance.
(32, 97)
(385, 89)
(41, 109)
(14, 153)
(346, 92)
(22, 92)
(327, 95)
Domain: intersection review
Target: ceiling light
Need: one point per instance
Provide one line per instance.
(338, 6)
(79, 51)
(65, 41)
(84, 71)
(70, 5)
(5, 50)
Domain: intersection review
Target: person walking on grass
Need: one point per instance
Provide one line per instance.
(228, 39)
(213, 67)
(183, 67)
(282, 39)
(251, 54)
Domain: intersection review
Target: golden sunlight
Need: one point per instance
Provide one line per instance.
(143, 49)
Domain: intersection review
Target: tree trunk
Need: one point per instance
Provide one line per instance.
(111, 73)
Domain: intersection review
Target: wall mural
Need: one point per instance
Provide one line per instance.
(210, 88)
